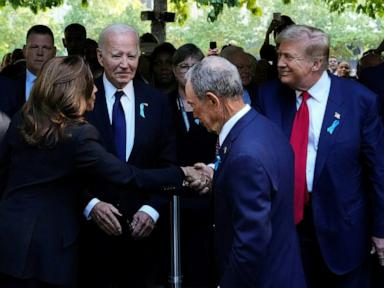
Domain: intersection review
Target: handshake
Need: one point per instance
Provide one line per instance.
(198, 177)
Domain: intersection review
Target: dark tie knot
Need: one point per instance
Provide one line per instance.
(118, 95)
(305, 95)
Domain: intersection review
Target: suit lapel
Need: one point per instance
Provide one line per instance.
(142, 123)
(327, 139)
(225, 148)
(288, 106)
(101, 117)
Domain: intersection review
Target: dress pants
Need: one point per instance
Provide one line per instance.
(317, 273)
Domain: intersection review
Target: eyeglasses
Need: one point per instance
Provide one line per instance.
(183, 68)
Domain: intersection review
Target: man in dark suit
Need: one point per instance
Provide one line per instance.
(255, 239)
(146, 133)
(38, 49)
(9, 95)
(339, 185)
(372, 77)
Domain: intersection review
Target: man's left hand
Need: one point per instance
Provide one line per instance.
(142, 225)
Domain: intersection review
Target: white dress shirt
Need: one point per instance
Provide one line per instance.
(128, 103)
(29, 81)
(316, 107)
(231, 122)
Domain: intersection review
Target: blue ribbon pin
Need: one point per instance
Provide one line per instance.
(331, 128)
(142, 105)
(197, 121)
(217, 162)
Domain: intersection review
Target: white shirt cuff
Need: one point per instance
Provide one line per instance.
(89, 207)
(211, 165)
(151, 212)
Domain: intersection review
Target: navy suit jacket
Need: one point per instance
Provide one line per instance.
(372, 77)
(255, 238)
(11, 95)
(40, 209)
(154, 145)
(348, 185)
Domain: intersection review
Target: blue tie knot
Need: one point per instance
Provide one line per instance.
(118, 95)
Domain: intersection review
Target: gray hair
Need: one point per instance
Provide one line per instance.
(117, 28)
(216, 75)
(316, 41)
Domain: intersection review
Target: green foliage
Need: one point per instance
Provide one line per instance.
(216, 7)
(372, 8)
(34, 5)
(235, 25)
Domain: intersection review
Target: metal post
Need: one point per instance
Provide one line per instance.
(175, 278)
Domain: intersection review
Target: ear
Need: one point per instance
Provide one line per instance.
(25, 50)
(317, 64)
(100, 56)
(212, 100)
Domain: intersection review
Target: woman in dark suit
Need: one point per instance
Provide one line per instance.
(48, 156)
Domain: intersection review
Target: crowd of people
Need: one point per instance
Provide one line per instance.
(278, 161)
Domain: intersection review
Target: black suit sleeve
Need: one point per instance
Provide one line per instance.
(93, 159)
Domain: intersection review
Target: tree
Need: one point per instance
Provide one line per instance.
(373, 8)
(235, 25)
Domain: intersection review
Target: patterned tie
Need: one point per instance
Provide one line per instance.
(119, 127)
(299, 142)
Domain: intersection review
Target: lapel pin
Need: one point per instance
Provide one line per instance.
(142, 105)
(337, 115)
(331, 128)
(225, 150)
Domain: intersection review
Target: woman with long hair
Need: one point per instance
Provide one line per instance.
(47, 158)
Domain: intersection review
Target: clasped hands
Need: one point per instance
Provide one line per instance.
(198, 177)
(105, 215)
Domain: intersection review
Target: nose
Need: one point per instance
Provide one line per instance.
(40, 51)
(124, 62)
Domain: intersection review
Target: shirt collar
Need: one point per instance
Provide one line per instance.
(110, 90)
(231, 122)
(30, 77)
(318, 90)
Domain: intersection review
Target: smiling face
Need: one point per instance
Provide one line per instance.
(119, 55)
(296, 69)
(38, 50)
(343, 69)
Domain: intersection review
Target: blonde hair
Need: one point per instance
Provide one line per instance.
(58, 99)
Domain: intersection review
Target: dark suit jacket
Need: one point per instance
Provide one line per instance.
(256, 241)
(372, 77)
(154, 145)
(40, 209)
(348, 187)
(11, 92)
